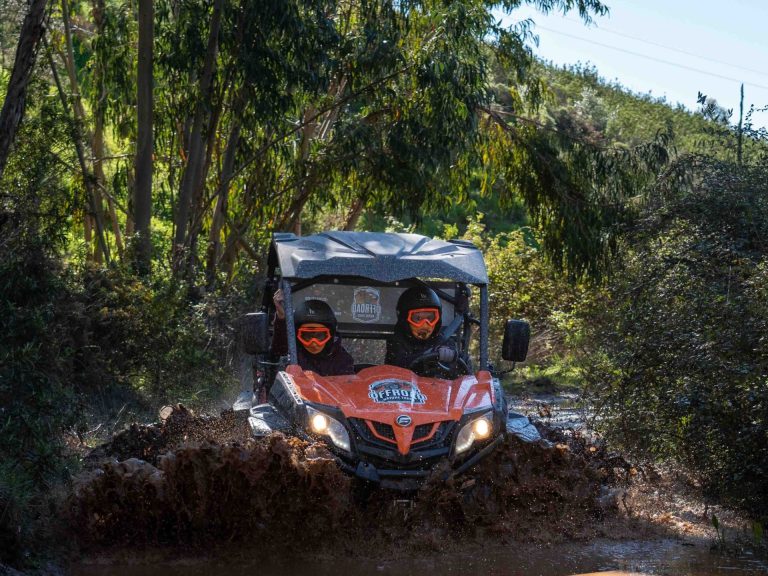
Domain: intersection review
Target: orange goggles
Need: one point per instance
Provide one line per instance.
(319, 336)
(423, 317)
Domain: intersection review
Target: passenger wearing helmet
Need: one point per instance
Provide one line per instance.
(418, 335)
(319, 348)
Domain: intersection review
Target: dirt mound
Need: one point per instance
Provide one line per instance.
(213, 493)
(281, 490)
(523, 491)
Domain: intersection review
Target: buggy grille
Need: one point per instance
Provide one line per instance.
(422, 431)
(384, 430)
(380, 434)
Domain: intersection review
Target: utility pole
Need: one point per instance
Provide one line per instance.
(740, 133)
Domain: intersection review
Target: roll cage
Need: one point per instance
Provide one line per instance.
(343, 264)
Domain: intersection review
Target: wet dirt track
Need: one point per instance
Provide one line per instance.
(607, 558)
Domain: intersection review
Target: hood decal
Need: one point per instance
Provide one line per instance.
(393, 390)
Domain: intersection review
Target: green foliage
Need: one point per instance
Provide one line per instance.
(75, 351)
(628, 118)
(679, 366)
(13, 13)
(77, 343)
(525, 285)
(154, 339)
(36, 401)
(371, 106)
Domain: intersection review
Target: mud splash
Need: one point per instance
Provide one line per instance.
(178, 426)
(194, 481)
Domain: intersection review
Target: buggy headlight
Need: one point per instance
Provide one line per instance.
(324, 425)
(482, 428)
(319, 423)
(478, 428)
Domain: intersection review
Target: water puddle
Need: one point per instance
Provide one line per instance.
(606, 558)
(555, 410)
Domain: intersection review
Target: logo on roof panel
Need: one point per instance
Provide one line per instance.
(366, 304)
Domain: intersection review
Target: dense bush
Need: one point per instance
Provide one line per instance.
(680, 368)
(36, 404)
(80, 349)
(78, 344)
(37, 401)
(154, 338)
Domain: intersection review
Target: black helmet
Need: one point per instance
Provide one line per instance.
(417, 297)
(317, 312)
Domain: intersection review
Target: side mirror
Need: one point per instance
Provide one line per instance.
(517, 335)
(253, 333)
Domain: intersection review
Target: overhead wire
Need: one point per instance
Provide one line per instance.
(666, 47)
(654, 59)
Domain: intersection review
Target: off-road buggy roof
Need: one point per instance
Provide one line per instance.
(380, 256)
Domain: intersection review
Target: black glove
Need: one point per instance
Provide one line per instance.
(446, 355)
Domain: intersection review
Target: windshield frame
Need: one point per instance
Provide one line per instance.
(289, 286)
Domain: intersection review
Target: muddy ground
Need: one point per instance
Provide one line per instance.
(193, 483)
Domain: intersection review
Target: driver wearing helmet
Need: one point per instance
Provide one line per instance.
(419, 343)
(319, 348)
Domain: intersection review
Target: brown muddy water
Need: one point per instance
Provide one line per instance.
(193, 485)
(658, 557)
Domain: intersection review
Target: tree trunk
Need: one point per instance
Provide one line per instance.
(101, 250)
(300, 195)
(130, 226)
(99, 152)
(195, 157)
(740, 130)
(222, 201)
(16, 96)
(315, 128)
(199, 206)
(142, 200)
(234, 243)
(97, 141)
(354, 214)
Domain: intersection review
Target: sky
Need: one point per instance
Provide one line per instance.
(668, 48)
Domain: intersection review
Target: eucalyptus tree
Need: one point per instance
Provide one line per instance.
(230, 73)
(410, 121)
(16, 93)
(79, 47)
(265, 112)
(401, 117)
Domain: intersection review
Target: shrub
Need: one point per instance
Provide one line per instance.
(153, 339)
(36, 401)
(680, 367)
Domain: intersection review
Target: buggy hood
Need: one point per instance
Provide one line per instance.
(384, 393)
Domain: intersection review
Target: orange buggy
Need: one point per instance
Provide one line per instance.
(385, 424)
